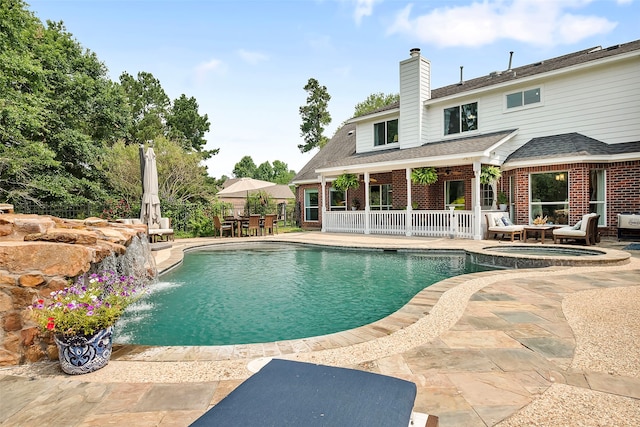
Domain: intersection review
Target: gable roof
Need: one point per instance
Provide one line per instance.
(540, 67)
(569, 145)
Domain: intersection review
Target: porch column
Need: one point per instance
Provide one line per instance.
(409, 211)
(323, 186)
(477, 208)
(367, 208)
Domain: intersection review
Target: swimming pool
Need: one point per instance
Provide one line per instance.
(233, 294)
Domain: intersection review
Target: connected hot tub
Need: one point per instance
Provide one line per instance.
(535, 256)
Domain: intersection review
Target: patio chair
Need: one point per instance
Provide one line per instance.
(252, 226)
(288, 393)
(270, 224)
(222, 226)
(586, 229)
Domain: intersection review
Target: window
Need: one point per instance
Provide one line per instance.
(486, 190)
(380, 197)
(454, 194)
(462, 118)
(385, 132)
(526, 97)
(310, 205)
(597, 200)
(338, 200)
(550, 197)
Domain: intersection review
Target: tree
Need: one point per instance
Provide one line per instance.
(314, 116)
(281, 173)
(149, 105)
(264, 172)
(245, 168)
(374, 102)
(187, 126)
(181, 176)
(57, 109)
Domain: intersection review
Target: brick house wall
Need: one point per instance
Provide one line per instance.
(622, 190)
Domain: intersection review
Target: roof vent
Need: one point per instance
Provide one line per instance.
(510, 59)
(461, 80)
(614, 47)
(495, 73)
(414, 52)
(539, 63)
(350, 133)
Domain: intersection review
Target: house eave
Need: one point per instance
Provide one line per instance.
(374, 116)
(543, 161)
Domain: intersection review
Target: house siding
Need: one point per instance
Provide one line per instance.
(414, 90)
(567, 106)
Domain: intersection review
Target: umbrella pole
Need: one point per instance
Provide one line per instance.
(142, 166)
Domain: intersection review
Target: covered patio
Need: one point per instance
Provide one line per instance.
(387, 201)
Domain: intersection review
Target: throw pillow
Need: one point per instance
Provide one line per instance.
(497, 221)
(506, 221)
(577, 226)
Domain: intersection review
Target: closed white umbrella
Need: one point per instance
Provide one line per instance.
(150, 210)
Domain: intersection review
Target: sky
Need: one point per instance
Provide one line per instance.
(247, 62)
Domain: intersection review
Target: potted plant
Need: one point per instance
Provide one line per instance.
(346, 181)
(503, 200)
(424, 176)
(355, 204)
(81, 318)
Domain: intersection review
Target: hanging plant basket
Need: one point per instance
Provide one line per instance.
(424, 176)
(346, 181)
(490, 174)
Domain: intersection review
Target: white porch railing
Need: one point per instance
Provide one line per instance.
(445, 223)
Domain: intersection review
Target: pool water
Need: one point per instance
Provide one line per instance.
(272, 292)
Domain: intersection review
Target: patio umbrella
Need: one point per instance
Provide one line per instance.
(244, 185)
(150, 210)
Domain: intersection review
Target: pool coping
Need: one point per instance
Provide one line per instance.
(418, 308)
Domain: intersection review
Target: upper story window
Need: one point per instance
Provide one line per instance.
(461, 118)
(526, 97)
(385, 132)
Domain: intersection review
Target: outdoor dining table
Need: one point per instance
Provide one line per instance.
(239, 222)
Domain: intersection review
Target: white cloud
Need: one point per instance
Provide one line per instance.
(624, 1)
(529, 21)
(206, 68)
(363, 8)
(252, 58)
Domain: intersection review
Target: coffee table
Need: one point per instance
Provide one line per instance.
(537, 230)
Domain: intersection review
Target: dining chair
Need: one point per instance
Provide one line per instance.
(252, 226)
(221, 226)
(270, 224)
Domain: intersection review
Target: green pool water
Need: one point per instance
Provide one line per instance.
(272, 292)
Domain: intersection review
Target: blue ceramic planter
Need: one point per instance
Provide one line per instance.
(81, 354)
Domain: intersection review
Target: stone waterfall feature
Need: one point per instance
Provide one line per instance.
(41, 254)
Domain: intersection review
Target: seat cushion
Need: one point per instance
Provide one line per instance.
(288, 393)
(569, 231)
(507, 228)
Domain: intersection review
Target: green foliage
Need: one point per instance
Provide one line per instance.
(490, 174)
(346, 181)
(374, 102)
(424, 176)
(186, 125)
(245, 168)
(260, 203)
(502, 198)
(315, 116)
